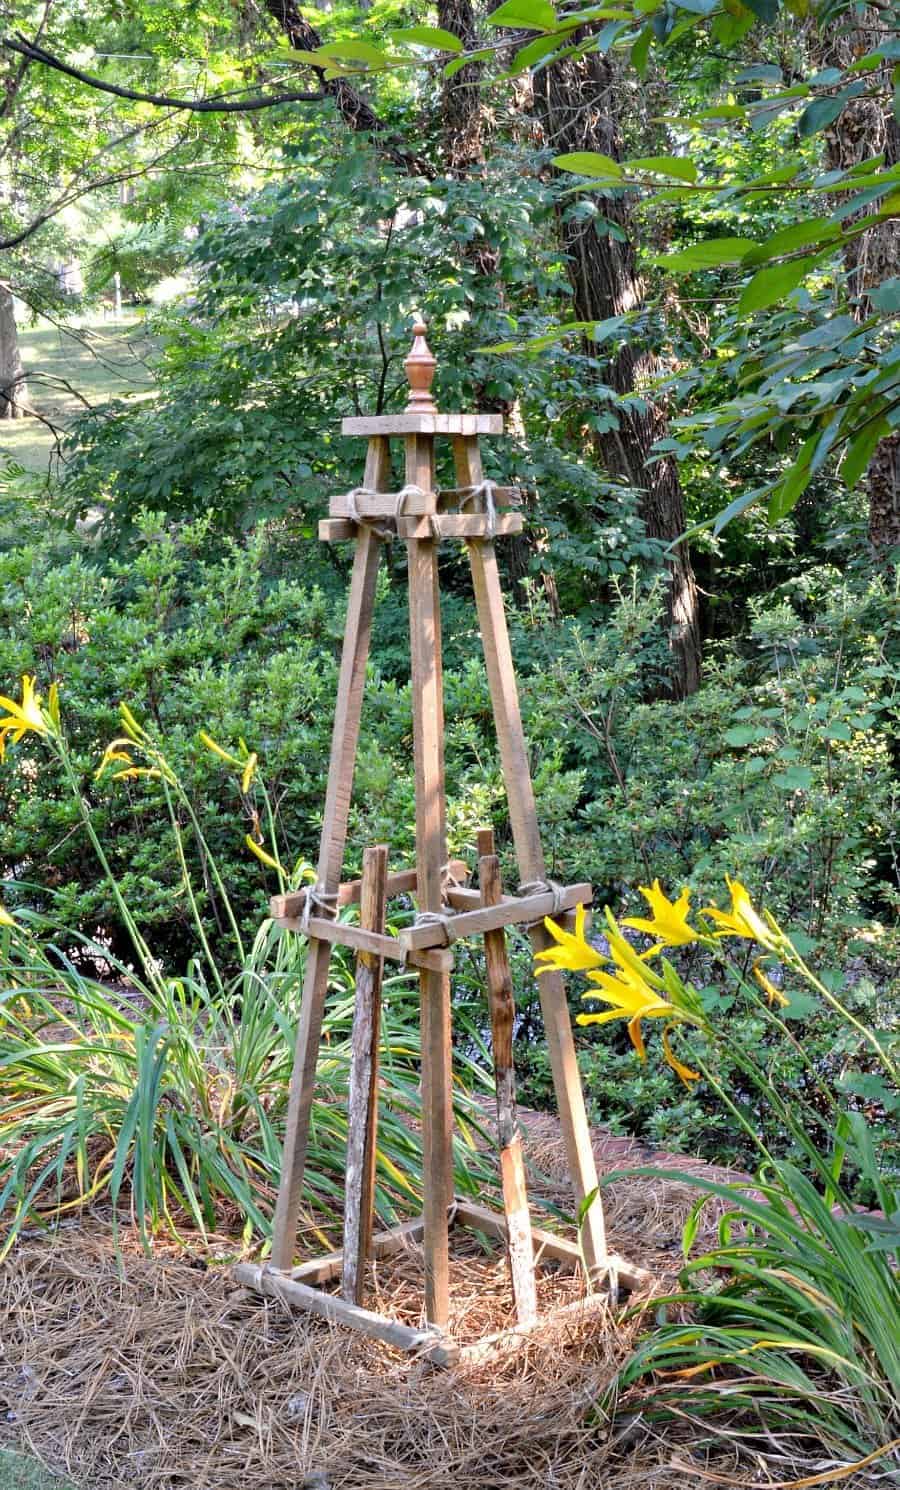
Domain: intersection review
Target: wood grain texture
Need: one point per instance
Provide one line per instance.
(422, 424)
(512, 910)
(530, 857)
(403, 882)
(431, 1344)
(434, 988)
(362, 1098)
(501, 1003)
(329, 1266)
(344, 739)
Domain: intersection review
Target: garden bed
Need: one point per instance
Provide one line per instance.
(164, 1374)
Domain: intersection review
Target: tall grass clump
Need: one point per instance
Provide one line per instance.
(163, 1094)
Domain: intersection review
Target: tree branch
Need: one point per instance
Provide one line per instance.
(354, 109)
(33, 53)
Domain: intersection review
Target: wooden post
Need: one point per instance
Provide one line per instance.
(431, 855)
(512, 1168)
(530, 856)
(362, 1104)
(344, 738)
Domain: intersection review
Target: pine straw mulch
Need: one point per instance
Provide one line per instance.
(162, 1374)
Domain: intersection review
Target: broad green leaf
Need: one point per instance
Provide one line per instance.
(744, 734)
(862, 448)
(794, 779)
(798, 235)
(535, 51)
(734, 509)
(640, 52)
(531, 15)
(710, 254)
(764, 10)
(354, 51)
(819, 114)
(458, 63)
(886, 296)
(760, 72)
(663, 165)
(589, 163)
(770, 285)
(789, 491)
(428, 36)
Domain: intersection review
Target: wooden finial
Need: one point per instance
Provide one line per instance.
(419, 367)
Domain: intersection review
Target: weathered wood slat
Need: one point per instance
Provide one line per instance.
(422, 424)
(445, 526)
(362, 1096)
(460, 525)
(344, 738)
(530, 856)
(326, 1268)
(512, 1169)
(381, 505)
(431, 842)
(404, 882)
(431, 1344)
(341, 934)
(510, 912)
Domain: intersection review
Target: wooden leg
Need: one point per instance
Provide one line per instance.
(345, 735)
(431, 853)
(512, 1168)
(362, 1104)
(530, 856)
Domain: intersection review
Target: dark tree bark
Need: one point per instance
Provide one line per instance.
(462, 104)
(13, 389)
(355, 110)
(575, 102)
(865, 129)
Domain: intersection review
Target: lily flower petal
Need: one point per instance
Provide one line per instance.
(669, 924)
(572, 953)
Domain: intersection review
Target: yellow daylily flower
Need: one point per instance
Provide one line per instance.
(134, 771)
(572, 953)
(247, 775)
(5, 918)
(634, 1000)
(262, 856)
(680, 1069)
(218, 750)
(669, 924)
(24, 717)
(626, 958)
(114, 752)
(742, 920)
(773, 994)
(132, 728)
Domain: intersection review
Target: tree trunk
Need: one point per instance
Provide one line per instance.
(354, 108)
(864, 130)
(574, 100)
(462, 103)
(13, 390)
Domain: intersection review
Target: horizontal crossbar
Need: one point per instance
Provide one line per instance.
(428, 1342)
(444, 526)
(511, 911)
(404, 882)
(383, 504)
(423, 424)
